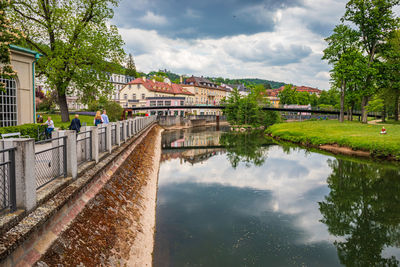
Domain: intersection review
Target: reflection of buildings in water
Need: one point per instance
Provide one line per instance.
(202, 136)
(191, 138)
(192, 156)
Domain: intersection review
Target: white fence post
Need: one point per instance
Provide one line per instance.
(108, 138)
(72, 160)
(95, 144)
(25, 178)
(118, 132)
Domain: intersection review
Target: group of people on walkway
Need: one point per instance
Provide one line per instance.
(75, 123)
(100, 119)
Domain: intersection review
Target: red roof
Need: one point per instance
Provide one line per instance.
(161, 87)
(275, 92)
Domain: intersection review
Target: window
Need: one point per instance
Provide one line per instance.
(143, 96)
(138, 86)
(182, 103)
(125, 96)
(152, 103)
(175, 103)
(168, 102)
(160, 103)
(134, 96)
(8, 103)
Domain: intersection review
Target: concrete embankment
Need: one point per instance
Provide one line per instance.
(98, 219)
(116, 226)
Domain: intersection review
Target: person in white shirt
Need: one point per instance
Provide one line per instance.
(50, 127)
(105, 117)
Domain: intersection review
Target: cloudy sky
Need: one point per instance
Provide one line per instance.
(279, 40)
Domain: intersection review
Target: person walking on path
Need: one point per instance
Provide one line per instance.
(98, 119)
(50, 127)
(75, 124)
(105, 117)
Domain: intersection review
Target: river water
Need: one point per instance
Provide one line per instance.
(229, 199)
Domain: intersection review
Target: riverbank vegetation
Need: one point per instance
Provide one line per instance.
(348, 134)
(247, 110)
(364, 51)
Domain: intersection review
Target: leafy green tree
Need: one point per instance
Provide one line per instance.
(375, 21)
(303, 98)
(342, 51)
(391, 71)
(8, 35)
(288, 95)
(131, 67)
(76, 40)
(247, 110)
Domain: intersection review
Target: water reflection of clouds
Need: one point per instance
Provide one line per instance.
(297, 181)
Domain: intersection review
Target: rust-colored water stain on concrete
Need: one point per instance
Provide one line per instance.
(103, 233)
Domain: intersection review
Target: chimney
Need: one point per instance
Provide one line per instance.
(144, 79)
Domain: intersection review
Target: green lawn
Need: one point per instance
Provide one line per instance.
(58, 124)
(350, 134)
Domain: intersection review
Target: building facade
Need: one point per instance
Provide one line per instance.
(206, 93)
(143, 92)
(17, 102)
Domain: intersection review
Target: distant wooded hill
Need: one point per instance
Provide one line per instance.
(249, 82)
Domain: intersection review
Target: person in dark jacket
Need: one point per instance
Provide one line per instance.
(75, 124)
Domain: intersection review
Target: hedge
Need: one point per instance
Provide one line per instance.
(30, 129)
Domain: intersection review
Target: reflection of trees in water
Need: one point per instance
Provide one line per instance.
(244, 147)
(363, 207)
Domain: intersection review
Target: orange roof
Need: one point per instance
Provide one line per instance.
(161, 87)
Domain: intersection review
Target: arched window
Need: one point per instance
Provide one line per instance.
(8, 103)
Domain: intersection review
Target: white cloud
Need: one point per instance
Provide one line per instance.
(291, 53)
(153, 19)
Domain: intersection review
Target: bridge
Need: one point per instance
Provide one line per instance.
(280, 109)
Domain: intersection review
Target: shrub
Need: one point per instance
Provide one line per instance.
(30, 129)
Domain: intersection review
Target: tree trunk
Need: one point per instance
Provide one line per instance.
(384, 112)
(364, 114)
(62, 102)
(342, 91)
(396, 106)
(351, 112)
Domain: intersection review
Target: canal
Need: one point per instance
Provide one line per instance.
(230, 199)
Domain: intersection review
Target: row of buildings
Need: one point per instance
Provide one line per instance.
(128, 92)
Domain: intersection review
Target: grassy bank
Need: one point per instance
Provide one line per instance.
(348, 134)
(58, 124)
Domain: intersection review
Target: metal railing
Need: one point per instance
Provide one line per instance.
(51, 160)
(102, 139)
(113, 135)
(84, 147)
(7, 180)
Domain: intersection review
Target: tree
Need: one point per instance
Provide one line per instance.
(76, 40)
(375, 21)
(343, 49)
(391, 69)
(9, 35)
(131, 67)
(288, 95)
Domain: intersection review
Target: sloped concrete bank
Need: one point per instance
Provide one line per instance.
(116, 227)
(47, 226)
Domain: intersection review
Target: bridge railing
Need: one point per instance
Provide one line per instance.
(41, 163)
